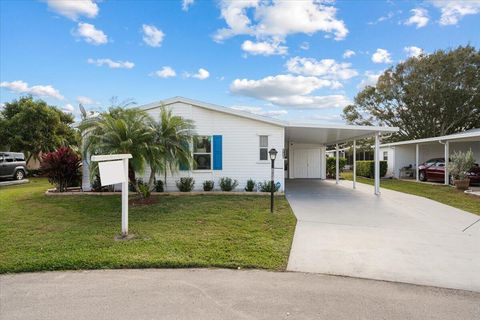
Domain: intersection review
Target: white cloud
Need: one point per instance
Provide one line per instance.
(381, 56)
(289, 90)
(85, 100)
(386, 17)
(454, 10)
(152, 36)
(186, 4)
(278, 19)
(165, 72)
(419, 18)
(201, 74)
(329, 118)
(260, 111)
(413, 51)
(305, 45)
(370, 79)
(264, 48)
(68, 108)
(74, 9)
(111, 63)
(20, 86)
(348, 54)
(325, 68)
(91, 34)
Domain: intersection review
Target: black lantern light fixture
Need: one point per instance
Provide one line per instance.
(273, 156)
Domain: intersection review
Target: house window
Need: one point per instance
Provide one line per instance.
(263, 148)
(385, 155)
(202, 153)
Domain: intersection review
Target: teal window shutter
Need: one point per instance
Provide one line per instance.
(217, 152)
(183, 166)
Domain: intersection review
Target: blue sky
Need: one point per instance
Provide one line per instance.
(300, 60)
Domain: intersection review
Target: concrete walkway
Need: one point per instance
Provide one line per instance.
(222, 294)
(12, 182)
(394, 236)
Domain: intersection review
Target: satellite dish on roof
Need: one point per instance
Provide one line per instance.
(83, 111)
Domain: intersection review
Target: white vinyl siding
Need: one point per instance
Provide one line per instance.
(240, 146)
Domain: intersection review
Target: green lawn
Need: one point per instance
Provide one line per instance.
(441, 193)
(77, 232)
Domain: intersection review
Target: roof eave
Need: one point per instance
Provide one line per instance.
(213, 107)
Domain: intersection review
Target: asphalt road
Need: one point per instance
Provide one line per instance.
(223, 294)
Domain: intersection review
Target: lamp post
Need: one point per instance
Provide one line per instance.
(273, 155)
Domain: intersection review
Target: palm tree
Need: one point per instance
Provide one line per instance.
(120, 130)
(170, 145)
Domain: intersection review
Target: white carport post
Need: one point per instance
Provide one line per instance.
(354, 163)
(447, 154)
(416, 163)
(336, 164)
(377, 163)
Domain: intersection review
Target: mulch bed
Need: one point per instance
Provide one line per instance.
(137, 202)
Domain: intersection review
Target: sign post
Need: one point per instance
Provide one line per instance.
(114, 169)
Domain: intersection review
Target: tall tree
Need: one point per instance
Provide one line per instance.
(33, 126)
(425, 96)
(120, 130)
(173, 134)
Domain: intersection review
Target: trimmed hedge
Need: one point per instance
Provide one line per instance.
(331, 166)
(366, 168)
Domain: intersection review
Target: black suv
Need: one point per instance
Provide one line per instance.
(12, 165)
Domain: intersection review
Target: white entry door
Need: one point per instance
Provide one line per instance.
(306, 163)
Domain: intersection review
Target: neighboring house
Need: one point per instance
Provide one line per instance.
(415, 152)
(235, 144)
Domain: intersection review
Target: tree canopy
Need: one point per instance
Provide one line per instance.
(33, 126)
(426, 96)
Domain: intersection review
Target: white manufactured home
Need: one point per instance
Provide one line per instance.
(412, 153)
(235, 144)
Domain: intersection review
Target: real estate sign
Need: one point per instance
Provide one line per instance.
(114, 169)
(112, 172)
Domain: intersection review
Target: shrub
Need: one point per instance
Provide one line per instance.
(460, 164)
(366, 168)
(62, 168)
(140, 184)
(331, 166)
(227, 184)
(250, 185)
(208, 185)
(144, 190)
(97, 185)
(266, 186)
(159, 186)
(185, 184)
(34, 172)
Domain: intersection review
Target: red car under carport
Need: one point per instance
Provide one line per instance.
(434, 170)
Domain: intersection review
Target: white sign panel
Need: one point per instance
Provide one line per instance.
(112, 172)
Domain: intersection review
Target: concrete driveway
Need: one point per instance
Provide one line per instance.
(222, 294)
(394, 236)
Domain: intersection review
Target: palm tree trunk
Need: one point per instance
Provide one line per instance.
(133, 178)
(151, 180)
(165, 176)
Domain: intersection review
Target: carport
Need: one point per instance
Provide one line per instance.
(415, 152)
(306, 146)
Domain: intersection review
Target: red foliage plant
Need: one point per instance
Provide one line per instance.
(62, 168)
